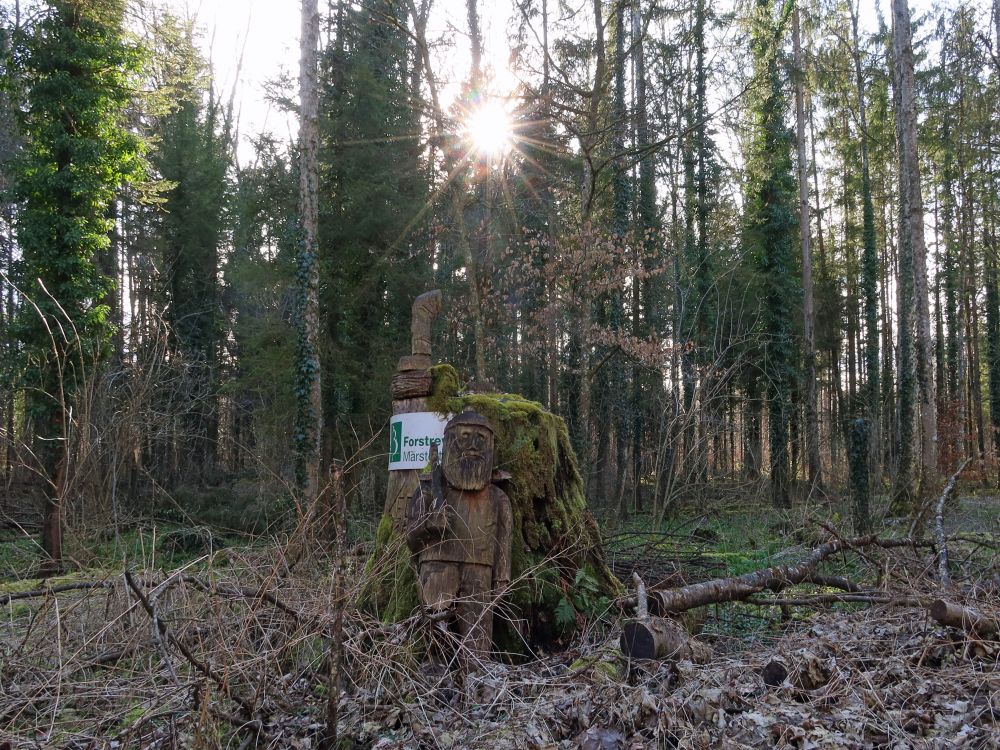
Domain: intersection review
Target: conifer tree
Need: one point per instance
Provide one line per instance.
(374, 200)
(191, 157)
(912, 230)
(79, 71)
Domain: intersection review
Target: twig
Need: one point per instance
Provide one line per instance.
(195, 662)
(150, 606)
(942, 541)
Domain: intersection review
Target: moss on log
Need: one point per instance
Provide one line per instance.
(559, 571)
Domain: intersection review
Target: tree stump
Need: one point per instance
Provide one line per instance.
(556, 555)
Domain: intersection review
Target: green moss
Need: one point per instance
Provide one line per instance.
(446, 387)
(600, 663)
(554, 535)
(389, 588)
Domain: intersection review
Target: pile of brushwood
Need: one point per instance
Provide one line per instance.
(836, 643)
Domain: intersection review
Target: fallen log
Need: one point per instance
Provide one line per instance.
(661, 638)
(957, 616)
(718, 590)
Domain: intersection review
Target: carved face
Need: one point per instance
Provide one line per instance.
(468, 456)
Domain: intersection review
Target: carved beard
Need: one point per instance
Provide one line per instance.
(467, 471)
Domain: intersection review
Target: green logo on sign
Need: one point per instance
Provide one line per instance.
(395, 442)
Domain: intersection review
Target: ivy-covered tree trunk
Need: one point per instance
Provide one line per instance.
(309, 422)
(993, 336)
(869, 257)
(80, 75)
(769, 234)
(648, 298)
(808, 314)
(858, 453)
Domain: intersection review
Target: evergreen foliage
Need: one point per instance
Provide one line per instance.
(79, 71)
(373, 234)
(191, 157)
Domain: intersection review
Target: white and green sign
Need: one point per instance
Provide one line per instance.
(411, 437)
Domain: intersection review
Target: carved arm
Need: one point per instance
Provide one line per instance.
(505, 526)
(425, 308)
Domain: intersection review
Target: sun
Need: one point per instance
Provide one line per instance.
(489, 129)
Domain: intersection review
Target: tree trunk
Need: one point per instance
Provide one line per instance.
(808, 316)
(869, 260)
(903, 499)
(310, 427)
(913, 225)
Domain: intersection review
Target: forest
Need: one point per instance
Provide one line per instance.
(603, 374)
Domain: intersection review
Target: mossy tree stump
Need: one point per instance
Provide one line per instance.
(559, 573)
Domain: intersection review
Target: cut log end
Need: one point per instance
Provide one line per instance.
(638, 641)
(774, 673)
(957, 616)
(660, 638)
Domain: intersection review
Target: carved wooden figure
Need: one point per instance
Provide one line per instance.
(460, 529)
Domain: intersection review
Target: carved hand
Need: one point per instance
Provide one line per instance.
(437, 520)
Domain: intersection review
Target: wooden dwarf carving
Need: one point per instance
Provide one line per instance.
(459, 527)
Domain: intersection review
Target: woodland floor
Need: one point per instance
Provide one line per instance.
(239, 658)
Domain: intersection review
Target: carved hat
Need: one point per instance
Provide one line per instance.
(472, 417)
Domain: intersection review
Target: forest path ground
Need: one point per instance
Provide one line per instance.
(241, 657)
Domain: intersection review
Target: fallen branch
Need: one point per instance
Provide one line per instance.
(200, 666)
(58, 589)
(874, 597)
(942, 541)
(957, 616)
(774, 579)
(835, 582)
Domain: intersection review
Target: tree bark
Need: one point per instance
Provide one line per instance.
(311, 406)
(661, 638)
(914, 226)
